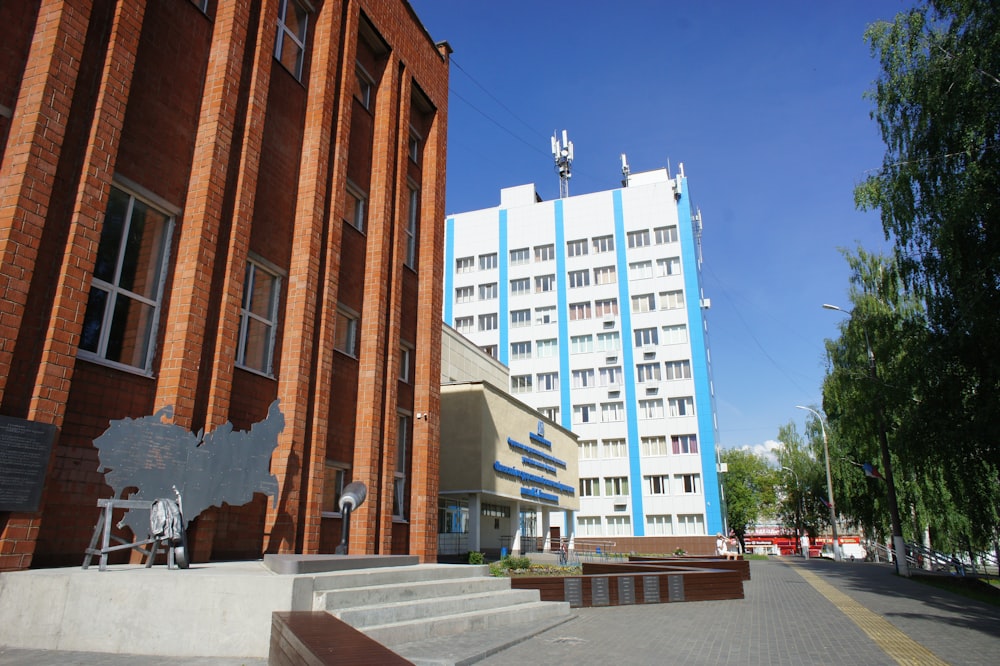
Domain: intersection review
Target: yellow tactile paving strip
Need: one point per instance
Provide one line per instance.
(893, 642)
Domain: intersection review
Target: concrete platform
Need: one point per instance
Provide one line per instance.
(310, 564)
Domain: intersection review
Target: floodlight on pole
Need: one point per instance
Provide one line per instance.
(829, 482)
(898, 544)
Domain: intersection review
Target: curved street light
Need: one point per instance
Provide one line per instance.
(898, 545)
(829, 483)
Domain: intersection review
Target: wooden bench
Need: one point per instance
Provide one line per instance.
(316, 638)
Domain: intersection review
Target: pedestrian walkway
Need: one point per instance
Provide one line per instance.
(794, 612)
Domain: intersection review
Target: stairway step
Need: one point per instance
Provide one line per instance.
(398, 575)
(353, 597)
(396, 633)
(429, 608)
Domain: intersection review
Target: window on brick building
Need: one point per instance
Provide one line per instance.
(405, 362)
(355, 210)
(290, 41)
(399, 476)
(412, 218)
(119, 325)
(258, 317)
(345, 333)
(335, 475)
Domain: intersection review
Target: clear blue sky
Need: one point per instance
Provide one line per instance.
(763, 102)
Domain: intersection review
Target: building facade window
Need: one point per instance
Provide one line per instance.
(490, 350)
(487, 261)
(579, 279)
(638, 238)
(668, 266)
(488, 322)
(258, 318)
(548, 381)
(615, 486)
(520, 351)
(584, 413)
(689, 484)
(640, 270)
(674, 370)
(405, 362)
(546, 348)
(619, 526)
(657, 484)
(615, 448)
(654, 446)
(399, 480)
(610, 341)
(581, 344)
(520, 318)
(606, 307)
(465, 264)
(410, 233)
(690, 524)
(579, 311)
(590, 487)
(488, 292)
(672, 300)
(604, 244)
(651, 409)
(520, 384)
(520, 286)
(464, 324)
(546, 315)
(604, 275)
(465, 294)
(659, 525)
(521, 255)
(290, 41)
(647, 372)
(583, 378)
(345, 332)
(681, 406)
(643, 303)
(675, 335)
(123, 309)
(684, 444)
(364, 86)
(665, 235)
(355, 208)
(551, 413)
(612, 412)
(544, 283)
(334, 476)
(611, 376)
(576, 248)
(545, 252)
(646, 337)
(588, 449)
(588, 525)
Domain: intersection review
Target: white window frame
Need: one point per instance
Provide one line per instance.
(604, 244)
(345, 331)
(638, 238)
(664, 235)
(488, 291)
(410, 233)
(520, 256)
(520, 318)
(520, 286)
(681, 406)
(488, 261)
(546, 347)
(577, 248)
(465, 264)
(545, 252)
(654, 446)
(488, 321)
(466, 294)
(268, 319)
(579, 279)
(547, 381)
(604, 275)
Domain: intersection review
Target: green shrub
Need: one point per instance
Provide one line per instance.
(680, 552)
(497, 569)
(476, 558)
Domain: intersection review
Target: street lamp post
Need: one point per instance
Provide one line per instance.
(798, 505)
(829, 483)
(898, 545)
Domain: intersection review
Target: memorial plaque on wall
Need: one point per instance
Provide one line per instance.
(626, 590)
(24, 457)
(651, 589)
(573, 591)
(675, 585)
(599, 591)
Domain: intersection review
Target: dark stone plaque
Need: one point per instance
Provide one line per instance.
(24, 457)
(626, 590)
(651, 589)
(675, 585)
(599, 591)
(573, 591)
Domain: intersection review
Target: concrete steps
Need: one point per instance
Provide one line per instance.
(406, 605)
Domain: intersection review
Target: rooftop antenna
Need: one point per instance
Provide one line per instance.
(625, 171)
(563, 154)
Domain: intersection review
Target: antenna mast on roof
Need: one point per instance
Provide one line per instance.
(563, 154)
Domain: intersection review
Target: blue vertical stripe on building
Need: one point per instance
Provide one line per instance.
(628, 368)
(699, 363)
(449, 271)
(566, 405)
(503, 290)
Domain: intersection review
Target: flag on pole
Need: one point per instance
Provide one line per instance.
(825, 502)
(870, 471)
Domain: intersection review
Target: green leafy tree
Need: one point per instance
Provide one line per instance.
(802, 508)
(749, 488)
(937, 105)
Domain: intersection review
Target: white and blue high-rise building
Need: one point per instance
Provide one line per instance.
(595, 304)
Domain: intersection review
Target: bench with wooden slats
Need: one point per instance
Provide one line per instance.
(316, 638)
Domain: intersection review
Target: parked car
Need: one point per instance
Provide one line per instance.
(848, 551)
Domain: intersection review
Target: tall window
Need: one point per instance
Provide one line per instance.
(683, 444)
(411, 229)
(126, 292)
(588, 449)
(333, 486)
(399, 484)
(355, 210)
(290, 42)
(666, 234)
(405, 361)
(638, 238)
(345, 332)
(258, 318)
(616, 485)
(363, 87)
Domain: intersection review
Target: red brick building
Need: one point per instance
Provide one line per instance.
(210, 205)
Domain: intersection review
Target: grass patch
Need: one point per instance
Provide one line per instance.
(970, 587)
